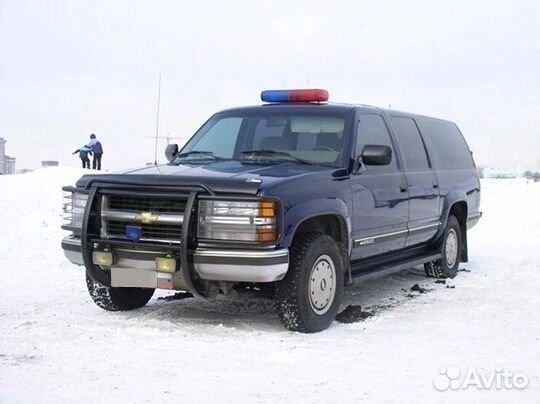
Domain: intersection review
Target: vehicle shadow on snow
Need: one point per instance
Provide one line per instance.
(255, 310)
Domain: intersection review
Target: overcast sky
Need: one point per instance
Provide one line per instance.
(70, 68)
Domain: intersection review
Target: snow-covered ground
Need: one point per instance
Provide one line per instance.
(57, 346)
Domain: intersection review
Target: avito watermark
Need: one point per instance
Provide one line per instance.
(500, 379)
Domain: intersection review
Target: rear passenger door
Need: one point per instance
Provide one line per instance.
(380, 199)
(422, 182)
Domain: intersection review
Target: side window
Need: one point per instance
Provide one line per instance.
(372, 131)
(451, 150)
(410, 143)
(220, 138)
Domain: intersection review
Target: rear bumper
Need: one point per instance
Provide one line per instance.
(210, 264)
(473, 220)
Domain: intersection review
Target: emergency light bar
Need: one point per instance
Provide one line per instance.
(304, 95)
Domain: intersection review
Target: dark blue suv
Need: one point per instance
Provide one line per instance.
(297, 195)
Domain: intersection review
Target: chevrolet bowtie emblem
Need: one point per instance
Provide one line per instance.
(146, 218)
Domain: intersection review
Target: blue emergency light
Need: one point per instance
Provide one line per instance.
(303, 95)
(134, 233)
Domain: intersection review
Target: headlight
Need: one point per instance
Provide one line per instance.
(73, 210)
(238, 220)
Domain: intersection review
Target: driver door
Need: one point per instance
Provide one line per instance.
(380, 195)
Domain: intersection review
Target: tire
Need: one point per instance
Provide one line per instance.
(117, 299)
(447, 266)
(308, 298)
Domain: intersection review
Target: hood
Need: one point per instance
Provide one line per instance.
(220, 177)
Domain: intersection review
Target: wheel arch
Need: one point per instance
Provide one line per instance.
(331, 224)
(455, 204)
(327, 216)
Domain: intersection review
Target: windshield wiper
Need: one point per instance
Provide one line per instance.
(195, 153)
(276, 153)
(199, 155)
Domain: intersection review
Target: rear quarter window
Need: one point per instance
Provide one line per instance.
(449, 147)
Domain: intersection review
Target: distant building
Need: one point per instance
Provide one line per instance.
(490, 172)
(2, 155)
(49, 163)
(7, 163)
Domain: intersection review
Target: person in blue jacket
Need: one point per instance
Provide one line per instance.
(83, 155)
(97, 149)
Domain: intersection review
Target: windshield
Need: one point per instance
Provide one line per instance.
(269, 136)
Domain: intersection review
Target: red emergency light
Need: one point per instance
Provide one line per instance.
(303, 95)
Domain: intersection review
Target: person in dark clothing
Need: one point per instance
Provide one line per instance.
(83, 155)
(97, 149)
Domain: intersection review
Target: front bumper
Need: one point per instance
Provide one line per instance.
(210, 264)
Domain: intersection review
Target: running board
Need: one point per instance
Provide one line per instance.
(373, 271)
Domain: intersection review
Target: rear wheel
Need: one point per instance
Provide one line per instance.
(447, 266)
(309, 296)
(117, 299)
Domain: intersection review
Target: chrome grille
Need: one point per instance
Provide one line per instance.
(143, 204)
(159, 219)
(155, 232)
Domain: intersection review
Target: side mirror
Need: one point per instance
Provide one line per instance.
(171, 151)
(376, 155)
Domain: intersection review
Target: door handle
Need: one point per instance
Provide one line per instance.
(435, 185)
(403, 188)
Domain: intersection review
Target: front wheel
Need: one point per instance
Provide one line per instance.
(117, 299)
(308, 298)
(447, 266)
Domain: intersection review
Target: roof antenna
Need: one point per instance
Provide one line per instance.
(157, 121)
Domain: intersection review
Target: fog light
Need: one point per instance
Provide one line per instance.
(165, 264)
(102, 258)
